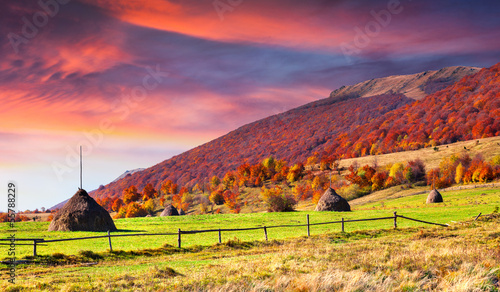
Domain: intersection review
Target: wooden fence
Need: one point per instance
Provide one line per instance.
(43, 242)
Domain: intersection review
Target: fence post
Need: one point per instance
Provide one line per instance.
(265, 232)
(220, 236)
(179, 239)
(34, 247)
(342, 224)
(308, 229)
(395, 220)
(109, 239)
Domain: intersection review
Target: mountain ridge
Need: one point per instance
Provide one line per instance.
(415, 86)
(320, 128)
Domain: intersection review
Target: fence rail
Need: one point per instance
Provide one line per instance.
(42, 241)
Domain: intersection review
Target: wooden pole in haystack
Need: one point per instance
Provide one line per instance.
(81, 185)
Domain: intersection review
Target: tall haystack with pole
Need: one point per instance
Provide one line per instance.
(82, 213)
(331, 201)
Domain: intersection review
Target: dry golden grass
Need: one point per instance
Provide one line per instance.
(488, 148)
(463, 257)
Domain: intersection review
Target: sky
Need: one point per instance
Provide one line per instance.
(137, 82)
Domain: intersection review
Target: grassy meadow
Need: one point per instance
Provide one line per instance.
(458, 206)
(370, 255)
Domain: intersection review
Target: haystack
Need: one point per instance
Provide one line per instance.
(169, 211)
(181, 212)
(434, 197)
(82, 213)
(331, 201)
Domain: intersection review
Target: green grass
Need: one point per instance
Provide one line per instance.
(458, 206)
(463, 257)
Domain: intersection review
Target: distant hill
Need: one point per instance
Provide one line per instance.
(344, 126)
(128, 172)
(414, 86)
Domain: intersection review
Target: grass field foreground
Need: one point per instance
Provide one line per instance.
(458, 206)
(463, 257)
(369, 256)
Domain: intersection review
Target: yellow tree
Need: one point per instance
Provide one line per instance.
(215, 181)
(459, 173)
(396, 172)
(150, 206)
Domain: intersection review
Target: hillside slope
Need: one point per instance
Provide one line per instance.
(469, 109)
(346, 127)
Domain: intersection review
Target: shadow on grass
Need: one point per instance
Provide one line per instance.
(129, 231)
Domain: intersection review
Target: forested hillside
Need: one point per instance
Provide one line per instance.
(344, 127)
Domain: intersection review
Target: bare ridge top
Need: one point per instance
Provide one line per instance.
(414, 86)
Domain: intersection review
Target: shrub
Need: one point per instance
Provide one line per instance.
(217, 197)
(302, 191)
(354, 191)
(277, 201)
(390, 182)
(378, 180)
(417, 169)
(495, 161)
(135, 210)
(89, 254)
(232, 201)
(204, 208)
(316, 196)
(121, 213)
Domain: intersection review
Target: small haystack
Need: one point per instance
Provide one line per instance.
(182, 213)
(434, 197)
(169, 211)
(82, 213)
(331, 201)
